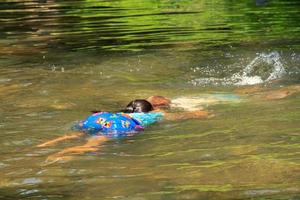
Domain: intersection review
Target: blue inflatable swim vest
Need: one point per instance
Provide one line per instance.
(146, 119)
(116, 125)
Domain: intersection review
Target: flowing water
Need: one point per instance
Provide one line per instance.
(61, 59)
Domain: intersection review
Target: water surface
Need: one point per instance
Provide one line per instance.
(61, 59)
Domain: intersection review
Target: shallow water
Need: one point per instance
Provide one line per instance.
(52, 74)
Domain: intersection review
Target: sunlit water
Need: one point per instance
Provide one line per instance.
(69, 58)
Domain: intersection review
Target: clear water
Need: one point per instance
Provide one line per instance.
(61, 59)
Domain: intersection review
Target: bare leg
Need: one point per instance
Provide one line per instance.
(59, 139)
(91, 146)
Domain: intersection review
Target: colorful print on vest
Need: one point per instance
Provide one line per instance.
(114, 125)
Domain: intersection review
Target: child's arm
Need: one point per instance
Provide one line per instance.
(259, 92)
(188, 115)
(59, 139)
(91, 146)
(282, 92)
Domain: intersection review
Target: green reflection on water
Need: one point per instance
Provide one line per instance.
(135, 25)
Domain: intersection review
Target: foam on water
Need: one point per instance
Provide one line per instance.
(263, 68)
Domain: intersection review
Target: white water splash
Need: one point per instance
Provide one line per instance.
(272, 60)
(263, 68)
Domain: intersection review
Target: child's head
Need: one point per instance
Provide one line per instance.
(159, 102)
(138, 105)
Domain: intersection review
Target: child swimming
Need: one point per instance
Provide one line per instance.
(102, 126)
(134, 118)
(141, 113)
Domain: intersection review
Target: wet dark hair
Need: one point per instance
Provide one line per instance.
(138, 105)
(95, 111)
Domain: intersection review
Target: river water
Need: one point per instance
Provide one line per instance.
(61, 59)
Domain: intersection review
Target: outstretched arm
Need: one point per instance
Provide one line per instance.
(93, 144)
(59, 139)
(259, 92)
(188, 115)
(282, 92)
